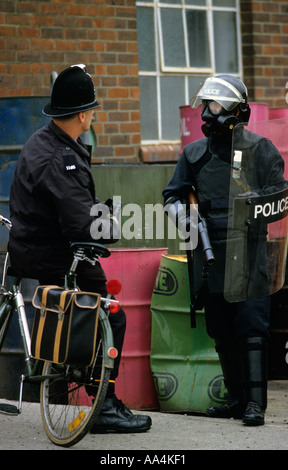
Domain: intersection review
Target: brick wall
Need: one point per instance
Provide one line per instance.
(38, 37)
(264, 26)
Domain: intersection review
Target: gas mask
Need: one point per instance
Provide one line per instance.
(217, 120)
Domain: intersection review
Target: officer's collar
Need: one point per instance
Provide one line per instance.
(82, 149)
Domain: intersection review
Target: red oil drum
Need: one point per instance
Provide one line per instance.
(190, 124)
(136, 269)
(278, 113)
(259, 112)
(276, 131)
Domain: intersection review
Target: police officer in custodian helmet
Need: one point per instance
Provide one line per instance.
(51, 198)
(239, 325)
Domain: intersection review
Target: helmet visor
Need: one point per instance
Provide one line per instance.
(219, 90)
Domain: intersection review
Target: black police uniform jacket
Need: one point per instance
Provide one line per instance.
(205, 167)
(51, 197)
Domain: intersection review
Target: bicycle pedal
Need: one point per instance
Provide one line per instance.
(10, 410)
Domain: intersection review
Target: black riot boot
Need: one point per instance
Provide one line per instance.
(254, 367)
(116, 417)
(230, 363)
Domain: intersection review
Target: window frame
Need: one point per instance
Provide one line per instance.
(162, 70)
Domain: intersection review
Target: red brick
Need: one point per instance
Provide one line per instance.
(39, 37)
(101, 116)
(117, 70)
(106, 12)
(131, 127)
(75, 10)
(8, 31)
(124, 151)
(118, 93)
(118, 116)
(64, 45)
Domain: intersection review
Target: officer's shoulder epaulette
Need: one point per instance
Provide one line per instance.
(196, 150)
(70, 161)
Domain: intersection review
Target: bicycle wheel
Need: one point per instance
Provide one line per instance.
(72, 397)
(6, 313)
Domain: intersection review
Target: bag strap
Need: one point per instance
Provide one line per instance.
(41, 321)
(59, 326)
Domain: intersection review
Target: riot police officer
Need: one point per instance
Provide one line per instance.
(240, 328)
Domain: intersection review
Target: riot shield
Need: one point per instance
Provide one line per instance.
(256, 247)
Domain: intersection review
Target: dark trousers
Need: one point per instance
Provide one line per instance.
(241, 333)
(235, 321)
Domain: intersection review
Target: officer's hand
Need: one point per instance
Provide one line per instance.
(187, 223)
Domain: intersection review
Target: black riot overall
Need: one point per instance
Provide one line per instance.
(240, 329)
(229, 321)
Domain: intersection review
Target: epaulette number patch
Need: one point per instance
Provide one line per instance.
(70, 163)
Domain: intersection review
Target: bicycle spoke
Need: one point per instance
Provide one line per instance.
(70, 403)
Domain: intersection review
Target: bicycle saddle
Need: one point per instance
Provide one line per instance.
(91, 248)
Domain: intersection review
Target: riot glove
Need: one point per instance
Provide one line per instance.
(182, 217)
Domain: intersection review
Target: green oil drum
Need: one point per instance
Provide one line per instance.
(184, 363)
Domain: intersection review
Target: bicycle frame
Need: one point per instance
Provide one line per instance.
(66, 390)
(13, 300)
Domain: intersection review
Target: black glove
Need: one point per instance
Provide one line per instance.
(181, 216)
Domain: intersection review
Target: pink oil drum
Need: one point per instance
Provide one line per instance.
(278, 113)
(136, 269)
(259, 112)
(190, 124)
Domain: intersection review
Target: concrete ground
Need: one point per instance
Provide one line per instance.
(171, 433)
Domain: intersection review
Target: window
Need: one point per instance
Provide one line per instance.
(180, 43)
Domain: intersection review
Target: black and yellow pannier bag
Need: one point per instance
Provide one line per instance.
(65, 325)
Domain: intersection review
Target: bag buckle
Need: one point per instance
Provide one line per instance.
(60, 316)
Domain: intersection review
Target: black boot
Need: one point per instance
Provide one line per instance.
(230, 363)
(254, 367)
(115, 416)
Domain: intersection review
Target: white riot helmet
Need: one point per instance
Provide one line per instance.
(224, 103)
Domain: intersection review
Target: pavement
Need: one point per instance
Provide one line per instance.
(172, 435)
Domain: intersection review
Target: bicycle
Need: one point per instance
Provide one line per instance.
(71, 397)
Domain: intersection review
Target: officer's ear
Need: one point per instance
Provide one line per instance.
(81, 117)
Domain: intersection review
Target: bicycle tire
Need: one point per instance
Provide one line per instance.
(69, 402)
(6, 313)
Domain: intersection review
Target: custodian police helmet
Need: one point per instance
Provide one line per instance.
(73, 92)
